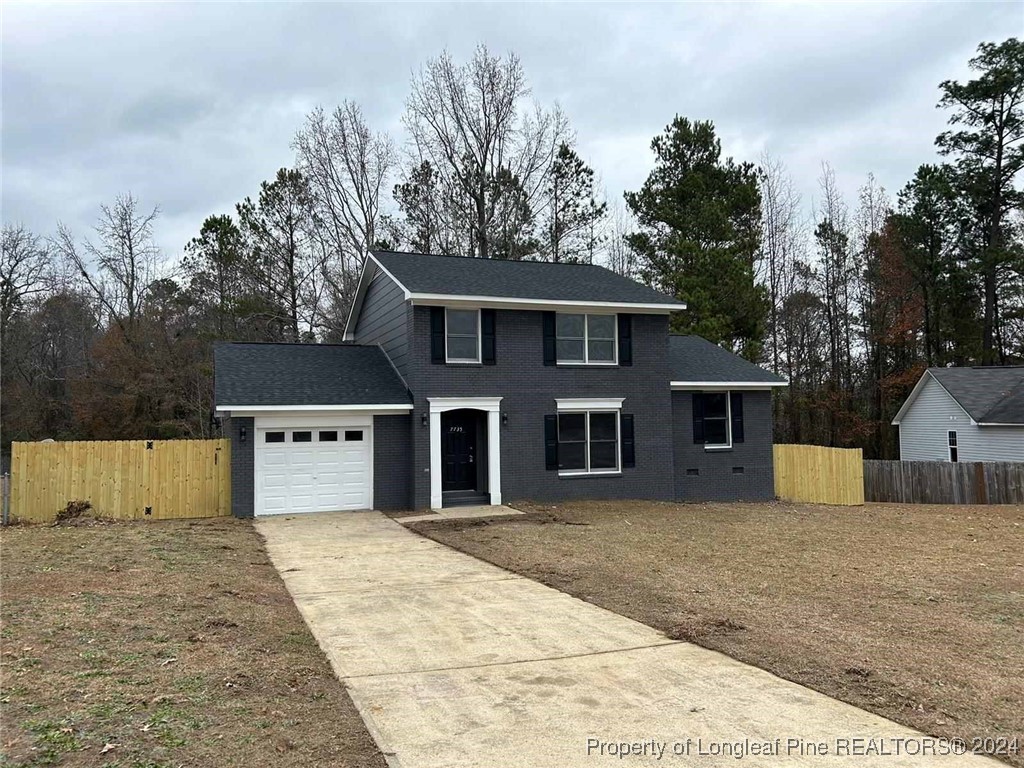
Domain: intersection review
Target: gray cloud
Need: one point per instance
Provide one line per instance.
(190, 106)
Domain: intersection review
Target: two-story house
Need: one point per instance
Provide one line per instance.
(472, 381)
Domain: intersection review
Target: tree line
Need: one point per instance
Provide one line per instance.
(104, 336)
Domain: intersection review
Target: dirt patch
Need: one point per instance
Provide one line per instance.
(915, 612)
(164, 643)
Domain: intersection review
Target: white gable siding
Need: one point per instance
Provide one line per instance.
(924, 428)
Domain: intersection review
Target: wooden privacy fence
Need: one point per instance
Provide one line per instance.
(819, 475)
(944, 482)
(122, 479)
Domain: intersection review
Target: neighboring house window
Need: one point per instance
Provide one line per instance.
(951, 439)
(462, 335)
(585, 339)
(717, 419)
(588, 442)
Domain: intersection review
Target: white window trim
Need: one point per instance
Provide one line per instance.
(479, 340)
(599, 406)
(728, 425)
(949, 447)
(586, 339)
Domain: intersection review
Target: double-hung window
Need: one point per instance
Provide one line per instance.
(951, 442)
(585, 339)
(588, 442)
(462, 335)
(716, 420)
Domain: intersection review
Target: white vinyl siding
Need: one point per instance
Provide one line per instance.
(925, 428)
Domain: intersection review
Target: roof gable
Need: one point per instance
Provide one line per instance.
(452, 280)
(248, 374)
(987, 394)
(429, 274)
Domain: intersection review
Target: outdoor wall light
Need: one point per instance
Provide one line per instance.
(241, 434)
(424, 419)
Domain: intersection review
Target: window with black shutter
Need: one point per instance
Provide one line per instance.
(717, 419)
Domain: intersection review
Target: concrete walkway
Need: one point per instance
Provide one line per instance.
(455, 662)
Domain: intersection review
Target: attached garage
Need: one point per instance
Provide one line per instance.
(302, 418)
(313, 468)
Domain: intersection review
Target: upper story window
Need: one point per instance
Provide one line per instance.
(462, 335)
(585, 339)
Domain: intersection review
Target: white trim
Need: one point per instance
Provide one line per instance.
(950, 447)
(586, 339)
(713, 386)
(617, 470)
(492, 405)
(728, 424)
(916, 390)
(586, 404)
(357, 300)
(439, 404)
(361, 289)
(1000, 424)
(243, 410)
(479, 339)
(500, 302)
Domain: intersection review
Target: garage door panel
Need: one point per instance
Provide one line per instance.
(321, 475)
(274, 481)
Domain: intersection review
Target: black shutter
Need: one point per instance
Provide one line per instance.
(487, 345)
(437, 335)
(698, 417)
(736, 410)
(626, 433)
(549, 338)
(551, 442)
(625, 339)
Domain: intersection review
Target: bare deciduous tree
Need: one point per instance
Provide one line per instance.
(621, 259)
(472, 124)
(24, 263)
(347, 166)
(782, 244)
(120, 265)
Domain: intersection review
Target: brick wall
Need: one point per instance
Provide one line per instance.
(716, 479)
(242, 465)
(529, 389)
(392, 462)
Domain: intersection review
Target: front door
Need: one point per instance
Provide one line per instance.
(459, 450)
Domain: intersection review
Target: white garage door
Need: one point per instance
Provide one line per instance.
(312, 469)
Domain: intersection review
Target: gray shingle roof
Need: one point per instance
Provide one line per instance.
(460, 276)
(694, 359)
(305, 374)
(989, 394)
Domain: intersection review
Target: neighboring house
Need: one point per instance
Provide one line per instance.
(467, 381)
(964, 414)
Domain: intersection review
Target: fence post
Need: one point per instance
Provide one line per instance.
(5, 484)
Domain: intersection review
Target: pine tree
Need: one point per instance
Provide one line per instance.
(699, 232)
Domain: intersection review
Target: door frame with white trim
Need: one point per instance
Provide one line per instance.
(490, 405)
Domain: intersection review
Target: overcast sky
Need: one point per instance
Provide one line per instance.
(191, 106)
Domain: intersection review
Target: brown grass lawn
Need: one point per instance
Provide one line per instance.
(175, 643)
(913, 612)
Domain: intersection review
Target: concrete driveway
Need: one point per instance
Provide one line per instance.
(455, 662)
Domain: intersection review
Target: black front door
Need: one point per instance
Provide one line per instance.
(458, 450)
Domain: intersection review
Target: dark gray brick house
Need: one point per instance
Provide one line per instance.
(471, 381)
